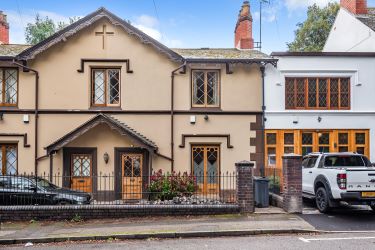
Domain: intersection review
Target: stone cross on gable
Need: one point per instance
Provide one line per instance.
(104, 34)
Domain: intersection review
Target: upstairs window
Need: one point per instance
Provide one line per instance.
(205, 88)
(8, 87)
(105, 87)
(317, 93)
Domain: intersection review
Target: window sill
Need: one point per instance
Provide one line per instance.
(105, 108)
(206, 109)
(8, 107)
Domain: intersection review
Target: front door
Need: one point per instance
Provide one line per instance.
(81, 179)
(131, 176)
(205, 168)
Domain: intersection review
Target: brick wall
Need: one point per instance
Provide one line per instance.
(292, 173)
(245, 187)
(243, 38)
(25, 213)
(4, 29)
(355, 6)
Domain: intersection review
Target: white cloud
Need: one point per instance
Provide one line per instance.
(18, 22)
(269, 12)
(150, 26)
(296, 4)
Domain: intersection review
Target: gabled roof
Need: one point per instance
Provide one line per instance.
(113, 123)
(88, 20)
(368, 19)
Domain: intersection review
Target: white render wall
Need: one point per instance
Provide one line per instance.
(361, 70)
(348, 34)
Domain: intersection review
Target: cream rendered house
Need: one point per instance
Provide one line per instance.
(101, 97)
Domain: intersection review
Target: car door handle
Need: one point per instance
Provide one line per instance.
(310, 172)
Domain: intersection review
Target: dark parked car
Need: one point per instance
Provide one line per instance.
(17, 190)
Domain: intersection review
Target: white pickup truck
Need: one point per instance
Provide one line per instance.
(331, 178)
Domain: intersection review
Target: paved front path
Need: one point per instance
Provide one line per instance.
(152, 225)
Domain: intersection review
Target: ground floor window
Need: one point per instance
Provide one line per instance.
(280, 142)
(8, 159)
(206, 168)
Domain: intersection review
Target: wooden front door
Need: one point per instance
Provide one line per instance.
(206, 167)
(132, 176)
(81, 172)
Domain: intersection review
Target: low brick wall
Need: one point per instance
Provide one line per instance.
(276, 200)
(25, 213)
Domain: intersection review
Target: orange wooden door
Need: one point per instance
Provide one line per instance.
(81, 172)
(132, 176)
(206, 167)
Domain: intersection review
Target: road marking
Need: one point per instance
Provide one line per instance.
(332, 239)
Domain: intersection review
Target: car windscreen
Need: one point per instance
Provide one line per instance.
(46, 184)
(344, 161)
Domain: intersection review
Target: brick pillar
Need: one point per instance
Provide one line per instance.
(245, 187)
(292, 174)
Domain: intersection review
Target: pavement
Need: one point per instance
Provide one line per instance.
(264, 221)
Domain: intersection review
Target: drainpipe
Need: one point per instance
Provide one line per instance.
(172, 113)
(262, 168)
(36, 114)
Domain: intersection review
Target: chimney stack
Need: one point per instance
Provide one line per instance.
(4, 29)
(357, 7)
(244, 28)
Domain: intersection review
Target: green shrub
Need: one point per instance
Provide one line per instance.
(170, 185)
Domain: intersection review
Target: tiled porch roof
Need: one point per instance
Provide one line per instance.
(112, 122)
(10, 50)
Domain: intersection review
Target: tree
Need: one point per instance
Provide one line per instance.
(43, 28)
(312, 34)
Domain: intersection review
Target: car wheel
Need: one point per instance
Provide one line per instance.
(322, 200)
(63, 203)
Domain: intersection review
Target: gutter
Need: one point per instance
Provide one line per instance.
(262, 167)
(36, 113)
(172, 113)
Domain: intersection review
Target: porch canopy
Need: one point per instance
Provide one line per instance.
(113, 123)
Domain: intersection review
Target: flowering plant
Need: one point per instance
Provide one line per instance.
(167, 186)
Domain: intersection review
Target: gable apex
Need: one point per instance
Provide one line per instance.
(89, 20)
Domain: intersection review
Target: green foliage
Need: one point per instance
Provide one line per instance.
(43, 28)
(76, 218)
(167, 186)
(312, 34)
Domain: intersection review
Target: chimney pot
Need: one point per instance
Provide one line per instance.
(4, 29)
(357, 7)
(244, 28)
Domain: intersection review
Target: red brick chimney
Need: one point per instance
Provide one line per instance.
(356, 7)
(244, 28)
(4, 29)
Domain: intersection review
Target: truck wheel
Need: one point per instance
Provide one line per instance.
(322, 200)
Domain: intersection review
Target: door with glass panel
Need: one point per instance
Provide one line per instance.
(81, 179)
(206, 168)
(8, 159)
(132, 176)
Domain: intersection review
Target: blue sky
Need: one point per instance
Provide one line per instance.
(176, 23)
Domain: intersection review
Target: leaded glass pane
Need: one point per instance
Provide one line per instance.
(288, 138)
(198, 87)
(300, 92)
(128, 171)
(361, 150)
(198, 164)
(334, 93)
(344, 92)
(271, 138)
(11, 160)
(312, 92)
(99, 87)
(343, 138)
(322, 93)
(323, 138)
(288, 150)
(343, 149)
(86, 166)
(212, 165)
(289, 93)
(114, 86)
(76, 166)
(11, 78)
(136, 166)
(306, 150)
(212, 88)
(360, 138)
(307, 139)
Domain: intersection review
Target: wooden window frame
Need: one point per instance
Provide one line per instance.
(3, 162)
(106, 101)
(205, 105)
(328, 94)
(2, 86)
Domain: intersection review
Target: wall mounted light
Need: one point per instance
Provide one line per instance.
(206, 117)
(26, 118)
(192, 119)
(1, 116)
(278, 84)
(106, 157)
(320, 119)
